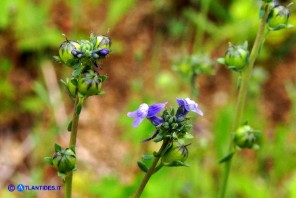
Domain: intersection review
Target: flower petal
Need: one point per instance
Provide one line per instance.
(140, 114)
(181, 102)
(132, 114)
(155, 109)
(137, 121)
(193, 106)
(156, 120)
(189, 105)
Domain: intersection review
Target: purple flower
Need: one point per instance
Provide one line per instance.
(188, 105)
(103, 52)
(149, 112)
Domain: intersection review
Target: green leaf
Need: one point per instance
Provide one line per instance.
(221, 60)
(188, 136)
(74, 81)
(48, 160)
(103, 78)
(289, 26)
(175, 164)
(142, 166)
(57, 58)
(147, 157)
(227, 157)
(261, 13)
(57, 148)
(72, 147)
(158, 138)
(77, 71)
(166, 149)
(78, 109)
(69, 128)
(62, 175)
(79, 105)
(63, 82)
(101, 92)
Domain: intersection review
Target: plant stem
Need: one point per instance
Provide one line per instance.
(243, 93)
(75, 119)
(151, 170)
(194, 89)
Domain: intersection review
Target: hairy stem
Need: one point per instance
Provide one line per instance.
(243, 93)
(151, 170)
(75, 119)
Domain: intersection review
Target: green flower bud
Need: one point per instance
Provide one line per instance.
(176, 153)
(237, 57)
(102, 46)
(102, 42)
(278, 18)
(246, 137)
(86, 47)
(71, 86)
(64, 160)
(89, 83)
(69, 52)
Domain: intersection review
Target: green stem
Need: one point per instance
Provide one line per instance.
(199, 36)
(151, 170)
(75, 119)
(243, 93)
(194, 89)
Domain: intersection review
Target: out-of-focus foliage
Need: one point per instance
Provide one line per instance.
(148, 37)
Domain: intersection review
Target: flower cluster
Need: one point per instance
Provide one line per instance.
(171, 126)
(84, 57)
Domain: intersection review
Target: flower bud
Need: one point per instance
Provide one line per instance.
(102, 42)
(278, 18)
(70, 52)
(71, 86)
(176, 153)
(86, 47)
(246, 137)
(89, 83)
(64, 160)
(102, 46)
(236, 57)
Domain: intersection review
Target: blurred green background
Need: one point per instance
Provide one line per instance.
(157, 44)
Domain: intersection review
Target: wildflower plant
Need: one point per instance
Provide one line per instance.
(273, 17)
(84, 57)
(172, 129)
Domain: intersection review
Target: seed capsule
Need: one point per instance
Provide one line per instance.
(245, 137)
(102, 42)
(89, 83)
(64, 160)
(102, 45)
(278, 18)
(70, 52)
(236, 57)
(176, 153)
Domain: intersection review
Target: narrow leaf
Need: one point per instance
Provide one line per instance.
(69, 128)
(142, 166)
(57, 147)
(227, 157)
(221, 60)
(48, 160)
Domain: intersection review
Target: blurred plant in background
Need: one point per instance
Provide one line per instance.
(149, 37)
